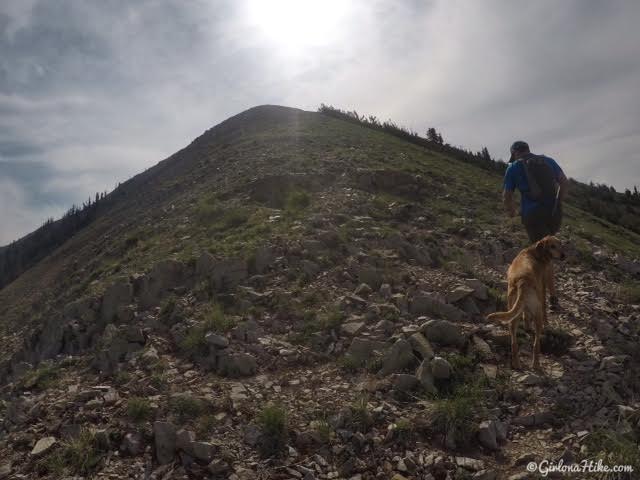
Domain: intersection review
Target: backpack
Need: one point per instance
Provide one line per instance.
(540, 177)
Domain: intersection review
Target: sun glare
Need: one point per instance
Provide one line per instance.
(297, 24)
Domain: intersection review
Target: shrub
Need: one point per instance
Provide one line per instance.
(455, 415)
(194, 343)
(187, 407)
(297, 201)
(360, 416)
(273, 425)
(41, 378)
(139, 409)
(614, 449)
(78, 456)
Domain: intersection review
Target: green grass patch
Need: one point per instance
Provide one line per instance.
(273, 424)
(77, 456)
(215, 320)
(457, 415)
(139, 409)
(41, 378)
(614, 449)
(188, 407)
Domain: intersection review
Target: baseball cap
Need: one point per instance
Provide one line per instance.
(518, 146)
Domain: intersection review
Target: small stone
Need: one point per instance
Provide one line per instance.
(443, 332)
(458, 293)
(43, 446)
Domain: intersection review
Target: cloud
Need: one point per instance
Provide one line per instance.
(93, 92)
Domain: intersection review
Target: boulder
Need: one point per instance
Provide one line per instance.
(132, 444)
(352, 328)
(118, 294)
(428, 304)
(443, 332)
(398, 358)
(237, 365)
(404, 383)
(216, 341)
(421, 345)
(458, 293)
(164, 434)
(163, 276)
(184, 439)
(362, 349)
(425, 377)
(440, 368)
(203, 451)
(226, 274)
(487, 435)
(480, 290)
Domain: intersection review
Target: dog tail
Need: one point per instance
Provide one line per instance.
(517, 309)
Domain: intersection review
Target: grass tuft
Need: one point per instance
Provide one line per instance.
(139, 409)
(273, 424)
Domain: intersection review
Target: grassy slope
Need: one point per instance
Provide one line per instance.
(200, 203)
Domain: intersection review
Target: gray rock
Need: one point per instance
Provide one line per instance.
(371, 276)
(116, 295)
(385, 291)
(42, 446)
(440, 368)
(487, 435)
(164, 275)
(421, 345)
(264, 257)
(217, 341)
(482, 348)
(485, 475)
(165, 441)
(132, 444)
(363, 290)
(458, 293)
(184, 439)
(5, 470)
(352, 328)
(218, 467)
(309, 268)
(480, 290)
(362, 349)
(443, 332)
(228, 273)
(403, 382)
(425, 377)
(398, 358)
(470, 463)
(203, 451)
(428, 304)
(237, 365)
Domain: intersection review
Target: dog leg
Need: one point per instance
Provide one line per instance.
(536, 342)
(513, 330)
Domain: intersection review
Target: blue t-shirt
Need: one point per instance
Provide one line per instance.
(515, 177)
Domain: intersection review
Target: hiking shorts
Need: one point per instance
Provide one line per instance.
(541, 222)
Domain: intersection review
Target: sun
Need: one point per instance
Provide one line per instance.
(295, 25)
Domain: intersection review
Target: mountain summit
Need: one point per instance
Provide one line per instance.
(293, 295)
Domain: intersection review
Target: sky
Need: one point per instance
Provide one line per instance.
(96, 91)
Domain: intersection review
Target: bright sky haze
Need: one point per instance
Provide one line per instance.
(96, 91)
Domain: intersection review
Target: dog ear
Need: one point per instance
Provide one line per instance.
(541, 248)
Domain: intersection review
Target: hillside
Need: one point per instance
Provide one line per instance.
(268, 303)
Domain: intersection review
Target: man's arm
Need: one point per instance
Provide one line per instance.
(509, 203)
(564, 187)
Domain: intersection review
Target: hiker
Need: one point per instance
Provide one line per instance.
(543, 186)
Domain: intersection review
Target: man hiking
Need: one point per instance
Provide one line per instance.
(543, 186)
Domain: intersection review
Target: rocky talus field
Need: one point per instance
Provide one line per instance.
(293, 296)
